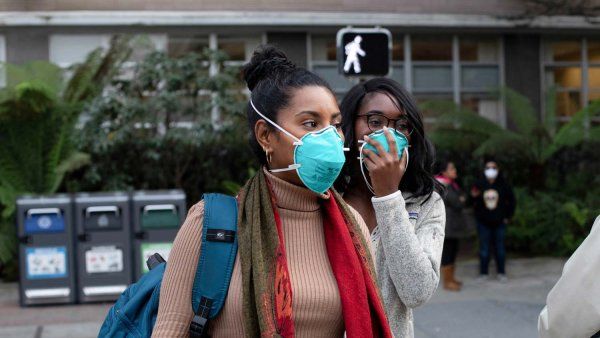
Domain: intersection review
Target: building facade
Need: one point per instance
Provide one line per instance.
(456, 50)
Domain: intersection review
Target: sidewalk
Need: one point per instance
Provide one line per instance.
(488, 309)
(47, 321)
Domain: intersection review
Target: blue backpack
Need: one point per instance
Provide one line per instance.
(134, 313)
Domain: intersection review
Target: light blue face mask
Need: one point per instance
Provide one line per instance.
(318, 156)
(379, 136)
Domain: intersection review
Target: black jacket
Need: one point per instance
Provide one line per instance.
(456, 222)
(500, 202)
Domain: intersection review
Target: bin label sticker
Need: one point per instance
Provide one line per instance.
(103, 259)
(46, 262)
(149, 249)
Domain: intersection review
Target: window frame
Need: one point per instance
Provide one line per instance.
(584, 90)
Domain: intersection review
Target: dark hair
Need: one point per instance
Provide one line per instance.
(418, 178)
(490, 158)
(441, 164)
(271, 76)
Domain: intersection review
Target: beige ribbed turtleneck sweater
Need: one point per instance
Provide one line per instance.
(316, 301)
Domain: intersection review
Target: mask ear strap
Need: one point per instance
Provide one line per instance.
(362, 165)
(289, 168)
(362, 168)
(297, 140)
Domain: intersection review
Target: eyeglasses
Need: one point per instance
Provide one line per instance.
(376, 122)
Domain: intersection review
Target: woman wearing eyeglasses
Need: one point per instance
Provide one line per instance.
(388, 179)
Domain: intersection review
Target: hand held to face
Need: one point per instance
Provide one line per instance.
(386, 168)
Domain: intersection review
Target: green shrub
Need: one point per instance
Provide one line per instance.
(39, 108)
(134, 136)
(554, 169)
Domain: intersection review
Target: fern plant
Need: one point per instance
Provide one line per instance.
(532, 139)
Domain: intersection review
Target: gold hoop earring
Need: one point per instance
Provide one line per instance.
(268, 155)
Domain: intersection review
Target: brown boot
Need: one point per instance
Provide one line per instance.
(452, 271)
(449, 284)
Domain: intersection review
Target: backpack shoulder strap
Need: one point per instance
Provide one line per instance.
(217, 257)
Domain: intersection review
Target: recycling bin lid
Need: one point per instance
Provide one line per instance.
(43, 211)
(43, 199)
(101, 197)
(155, 195)
(102, 209)
(44, 220)
(159, 216)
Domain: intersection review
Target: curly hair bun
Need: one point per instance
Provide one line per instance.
(268, 62)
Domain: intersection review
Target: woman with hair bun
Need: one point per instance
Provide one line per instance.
(304, 265)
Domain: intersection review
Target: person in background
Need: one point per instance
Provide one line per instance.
(573, 305)
(494, 205)
(454, 200)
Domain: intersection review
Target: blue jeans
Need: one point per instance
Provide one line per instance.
(491, 237)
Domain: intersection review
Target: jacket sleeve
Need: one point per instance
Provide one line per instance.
(573, 305)
(175, 303)
(412, 256)
(452, 199)
(476, 202)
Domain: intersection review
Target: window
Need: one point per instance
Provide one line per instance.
(572, 71)
(324, 63)
(480, 75)
(430, 116)
(564, 51)
(487, 106)
(179, 45)
(68, 49)
(432, 64)
(142, 44)
(465, 70)
(430, 48)
(593, 75)
(239, 49)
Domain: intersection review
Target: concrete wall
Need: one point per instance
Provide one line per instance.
(493, 7)
(26, 44)
(522, 65)
(293, 44)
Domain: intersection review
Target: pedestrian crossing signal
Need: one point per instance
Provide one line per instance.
(364, 52)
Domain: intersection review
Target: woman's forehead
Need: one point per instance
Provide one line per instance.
(313, 98)
(378, 101)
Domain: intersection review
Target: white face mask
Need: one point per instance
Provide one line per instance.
(491, 173)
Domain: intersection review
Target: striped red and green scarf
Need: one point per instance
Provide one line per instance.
(266, 286)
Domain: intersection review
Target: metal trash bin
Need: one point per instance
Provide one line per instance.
(103, 245)
(157, 216)
(46, 246)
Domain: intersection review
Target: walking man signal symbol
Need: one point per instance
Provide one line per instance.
(353, 50)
